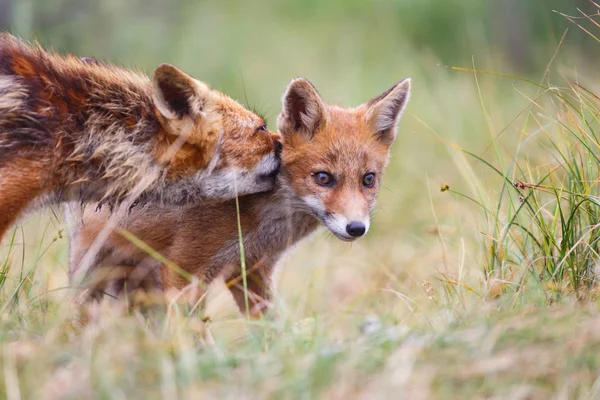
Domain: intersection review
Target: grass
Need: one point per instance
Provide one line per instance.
(549, 224)
(477, 280)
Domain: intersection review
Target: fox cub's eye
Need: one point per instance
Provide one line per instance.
(323, 178)
(369, 180)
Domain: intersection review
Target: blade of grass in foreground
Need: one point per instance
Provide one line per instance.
(242, 256)
(6, 265)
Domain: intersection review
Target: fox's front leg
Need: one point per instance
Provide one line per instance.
(21, 181)
(260, 291)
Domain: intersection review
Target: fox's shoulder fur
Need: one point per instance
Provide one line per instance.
(332, 162)
(79, 130)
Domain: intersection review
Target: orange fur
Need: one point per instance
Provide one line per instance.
(21, 180)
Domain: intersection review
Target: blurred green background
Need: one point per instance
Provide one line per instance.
(351, 49)
(345, 45)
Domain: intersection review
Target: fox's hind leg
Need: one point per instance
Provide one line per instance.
(21, 181)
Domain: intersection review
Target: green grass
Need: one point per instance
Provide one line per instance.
(477, 280)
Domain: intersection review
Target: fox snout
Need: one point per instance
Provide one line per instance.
(347, 228)
(278, 148)
(271, 164)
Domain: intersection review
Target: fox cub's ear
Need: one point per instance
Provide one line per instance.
(302, 109)
(177, 94)
(384, 111)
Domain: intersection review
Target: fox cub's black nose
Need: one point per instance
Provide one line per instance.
(356, 228)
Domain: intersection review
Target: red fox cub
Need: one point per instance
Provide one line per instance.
(71, 129)
(333, 159)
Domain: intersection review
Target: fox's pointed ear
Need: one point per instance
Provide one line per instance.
(176, 94)
(302, 109)
(385, 110)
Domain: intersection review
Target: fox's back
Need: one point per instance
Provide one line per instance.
(48, 100)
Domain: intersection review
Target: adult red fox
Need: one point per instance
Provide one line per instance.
(333, 159)
(71, 129)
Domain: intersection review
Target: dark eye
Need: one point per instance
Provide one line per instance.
(262, 128)
(369, 180)
(323, 178)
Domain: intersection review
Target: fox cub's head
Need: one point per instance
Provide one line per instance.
(333, 157)
(213, 147)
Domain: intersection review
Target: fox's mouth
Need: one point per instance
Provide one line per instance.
(344, 238)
